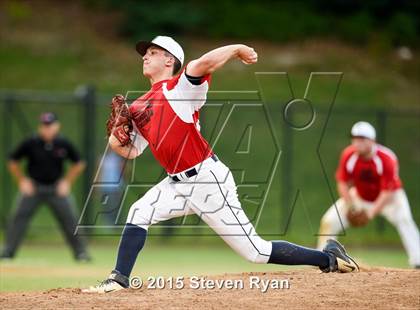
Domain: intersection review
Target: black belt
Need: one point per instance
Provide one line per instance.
(192, 172)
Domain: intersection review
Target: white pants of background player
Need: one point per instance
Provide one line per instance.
(211, 194)
(397, 212)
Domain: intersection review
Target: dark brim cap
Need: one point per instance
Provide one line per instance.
(48, 118)
(142, 46)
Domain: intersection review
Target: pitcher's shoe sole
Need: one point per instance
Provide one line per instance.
(106, 286)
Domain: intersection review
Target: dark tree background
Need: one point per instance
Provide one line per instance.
(357, 21)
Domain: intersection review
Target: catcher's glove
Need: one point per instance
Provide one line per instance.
(119, 121)
(357, 218)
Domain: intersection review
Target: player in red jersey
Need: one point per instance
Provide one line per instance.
(166, 119)
(367, 178)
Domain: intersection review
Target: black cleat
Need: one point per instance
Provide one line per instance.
(340, 260)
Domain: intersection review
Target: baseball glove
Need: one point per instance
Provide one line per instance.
(357, 218)
(119, 121)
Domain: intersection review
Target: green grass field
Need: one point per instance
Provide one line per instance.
(40, 267)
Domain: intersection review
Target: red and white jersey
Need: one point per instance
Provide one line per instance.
(369, 176)
(167, 119)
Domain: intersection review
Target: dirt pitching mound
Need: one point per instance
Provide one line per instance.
(379, 288)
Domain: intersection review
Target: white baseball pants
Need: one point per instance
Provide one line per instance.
(211, 194)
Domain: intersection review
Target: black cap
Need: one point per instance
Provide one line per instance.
(48, 118)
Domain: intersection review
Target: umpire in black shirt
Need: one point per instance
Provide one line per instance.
(45, 182)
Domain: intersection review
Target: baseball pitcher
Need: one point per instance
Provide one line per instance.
(166, 119)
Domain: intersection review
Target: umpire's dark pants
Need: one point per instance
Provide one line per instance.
(62, 208)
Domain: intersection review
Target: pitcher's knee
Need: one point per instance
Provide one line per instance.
(140, 215)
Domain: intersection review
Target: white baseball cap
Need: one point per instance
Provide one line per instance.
(363, 129)
(167, 43)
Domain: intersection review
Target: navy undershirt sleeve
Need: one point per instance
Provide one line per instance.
(195, 80)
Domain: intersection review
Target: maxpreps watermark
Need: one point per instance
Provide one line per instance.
(202, 283)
